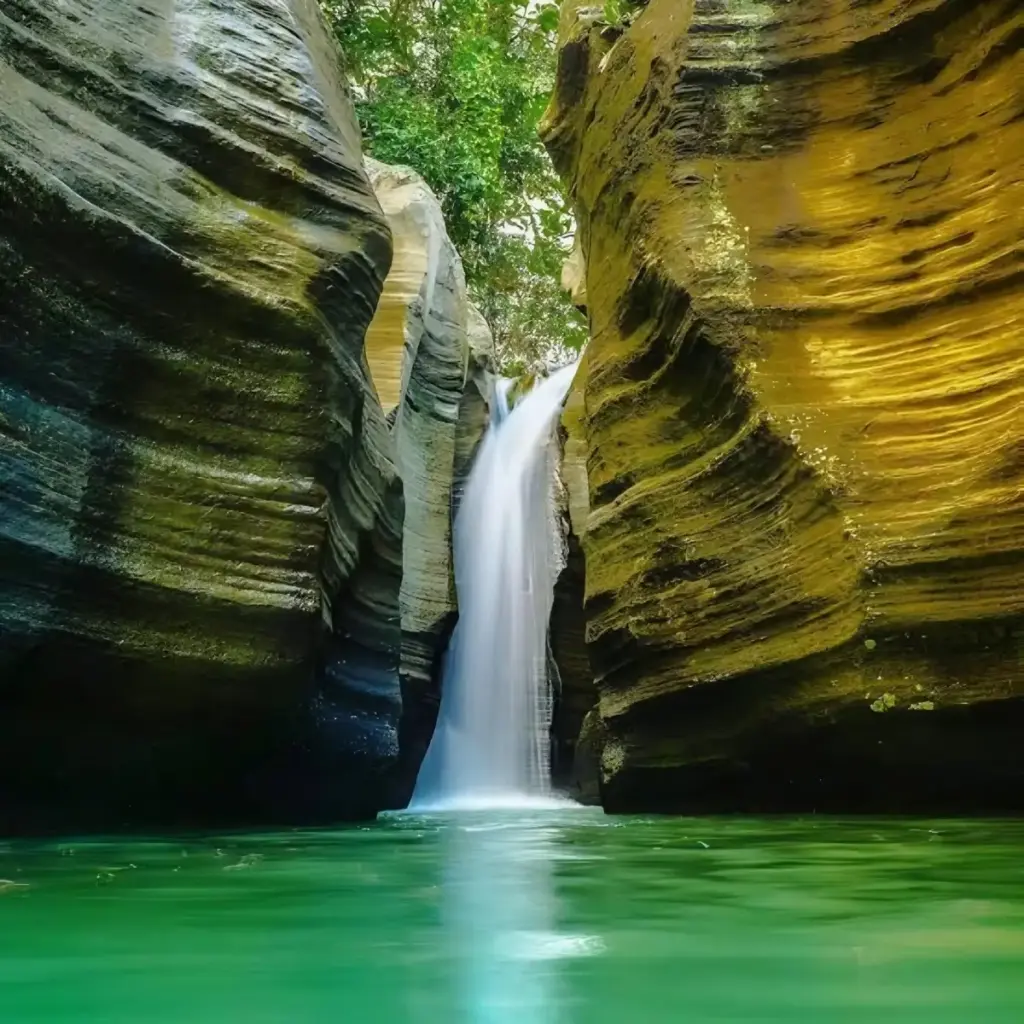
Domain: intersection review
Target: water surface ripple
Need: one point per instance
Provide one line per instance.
(540, 916)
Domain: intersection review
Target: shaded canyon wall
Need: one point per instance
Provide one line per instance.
(801, 412)
(203, 613)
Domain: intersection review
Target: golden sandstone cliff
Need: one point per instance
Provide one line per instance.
(802, 408)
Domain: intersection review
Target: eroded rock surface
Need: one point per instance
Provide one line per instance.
(430, 353)
(475, 406)
(193, 474)
(801, 224)
(575, 694)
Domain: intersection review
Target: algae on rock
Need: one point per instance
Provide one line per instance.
(799, 227)
(202, 502)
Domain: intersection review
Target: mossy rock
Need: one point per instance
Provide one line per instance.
(192, 462)
(801, 401)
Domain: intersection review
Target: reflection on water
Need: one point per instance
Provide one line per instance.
(500, 917)
(539, 917)
(498, 913)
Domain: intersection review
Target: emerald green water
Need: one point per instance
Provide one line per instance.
(535, 917)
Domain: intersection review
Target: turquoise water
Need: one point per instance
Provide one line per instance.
(534, 917)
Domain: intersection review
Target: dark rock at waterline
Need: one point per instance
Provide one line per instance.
(583, 782)
(574, 692)
(194, 474)
(225, 519)
(575, 755)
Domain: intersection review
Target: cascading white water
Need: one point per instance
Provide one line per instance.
(491, 743)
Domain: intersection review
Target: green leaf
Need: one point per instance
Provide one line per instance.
(547, 18)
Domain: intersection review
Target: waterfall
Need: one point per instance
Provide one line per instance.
(491, 746)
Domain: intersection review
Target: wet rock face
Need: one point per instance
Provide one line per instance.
(194, 475)
(475, 405)
(575, 694)
(805, 546)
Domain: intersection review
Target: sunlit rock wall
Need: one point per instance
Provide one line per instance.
(193, 475)
(801, 228)
(430, 353)
(474, 408)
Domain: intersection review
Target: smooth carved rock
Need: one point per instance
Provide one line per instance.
(194, 471)
(474, 409)
(430, 353)
(801, 230)
(418, 233)
(418, 347)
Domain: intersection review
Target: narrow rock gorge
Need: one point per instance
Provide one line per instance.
(207, 608)
(800, 415)
(242, 387)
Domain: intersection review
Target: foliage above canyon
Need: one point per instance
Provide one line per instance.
(455, 89)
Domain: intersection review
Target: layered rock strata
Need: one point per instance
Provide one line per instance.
(430, 355)
(800, 230)
(203, 608)
(575, 694)
(475, 405)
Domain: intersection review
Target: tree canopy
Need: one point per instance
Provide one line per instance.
(455, 89)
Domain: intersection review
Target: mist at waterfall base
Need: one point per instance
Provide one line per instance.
(491, 745)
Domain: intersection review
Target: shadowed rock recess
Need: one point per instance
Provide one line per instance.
(202, 602)
(802, 405)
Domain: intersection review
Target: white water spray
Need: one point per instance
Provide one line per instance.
(491, 746)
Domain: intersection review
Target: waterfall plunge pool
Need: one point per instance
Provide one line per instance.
(558, 916)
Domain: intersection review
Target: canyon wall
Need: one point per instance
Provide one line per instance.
(801, 411)
(430, 355)
(203, 612)
(575, 694)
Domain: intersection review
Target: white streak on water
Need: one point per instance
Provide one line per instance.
(501, 917)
